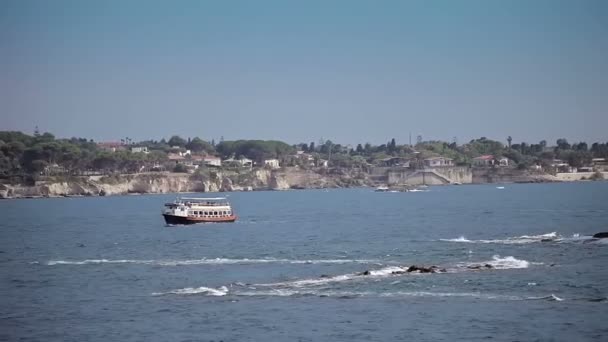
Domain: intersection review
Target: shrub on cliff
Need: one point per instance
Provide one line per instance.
(597, 176)
(180, 168)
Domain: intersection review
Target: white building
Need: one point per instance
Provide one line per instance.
(273, 163)
(212, 161)
(438, 161)
(139, 149)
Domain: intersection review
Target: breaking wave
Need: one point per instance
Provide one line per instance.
(551, 297)
(216, 261)
(208, 291)
(253, 292)
(499, 263)
(524, 239)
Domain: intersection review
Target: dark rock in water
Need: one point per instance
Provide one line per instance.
(102, 192)
(398, 272)
(546, 240)
(81, 245)
(480, 267)
(602, 235)
(325, 276)
(368, 272)
(422, 269)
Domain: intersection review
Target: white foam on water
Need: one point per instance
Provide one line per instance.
(550, 297)
(497, 263)
(507, 262)
(387, 271)
(208, 291)
(553, 236)
(355, 294)
(459, 239)
(311, 282)
(380, 273)
(205, 261)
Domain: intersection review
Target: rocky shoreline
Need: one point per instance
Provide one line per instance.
(214, 181)
(159, 183)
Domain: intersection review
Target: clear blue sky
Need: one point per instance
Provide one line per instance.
(350, 71)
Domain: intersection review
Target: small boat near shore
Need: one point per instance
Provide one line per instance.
(191, 210)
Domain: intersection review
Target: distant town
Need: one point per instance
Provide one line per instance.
(43, 154)
(40, 157)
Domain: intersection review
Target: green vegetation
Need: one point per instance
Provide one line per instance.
(25, 156)
(256, 150)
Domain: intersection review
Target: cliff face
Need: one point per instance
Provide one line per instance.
(509, 175)
(174, 183)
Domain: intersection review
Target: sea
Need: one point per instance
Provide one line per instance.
(516, 262)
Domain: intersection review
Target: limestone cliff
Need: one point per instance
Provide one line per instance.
(211, 181)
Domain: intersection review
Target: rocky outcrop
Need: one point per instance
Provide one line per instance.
(210, 181)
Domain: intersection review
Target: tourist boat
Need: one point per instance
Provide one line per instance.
(188, 210)
(381, 189)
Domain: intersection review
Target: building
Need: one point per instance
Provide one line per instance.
(272, 163)
(503, 161)
(212, 161)
(243, 162)
(111, 146)
(600, 164)
(394, 161)
(176, 158)
(322, 163)
(140, 149)
(438, 162)
(485, 160)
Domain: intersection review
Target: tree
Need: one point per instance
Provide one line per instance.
(359, 148)
(562, 144)
(199, 145)
(392, 146)
(176, 140)
(582, 146)
(312, 146)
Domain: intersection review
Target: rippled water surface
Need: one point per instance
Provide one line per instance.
(517, 264)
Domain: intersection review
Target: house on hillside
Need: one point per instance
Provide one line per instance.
(176, 158)
(438, 162)
(503, 161)
(394, 161)
(272, 163)
(140, 149)
(212, 161)
(490, 160)
(304, 158)
(485, 160)
(111, 146)
(600, 164)
(243, 162)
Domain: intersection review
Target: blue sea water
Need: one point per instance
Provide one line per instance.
(290, 269)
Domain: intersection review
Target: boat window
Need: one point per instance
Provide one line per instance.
(215, 213)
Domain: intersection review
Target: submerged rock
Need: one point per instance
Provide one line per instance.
(601, 235)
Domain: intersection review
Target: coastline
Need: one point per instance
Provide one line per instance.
(219, 181)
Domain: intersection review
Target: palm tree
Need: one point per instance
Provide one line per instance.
(509, 139)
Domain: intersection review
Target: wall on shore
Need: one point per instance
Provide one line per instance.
(430, 176)
(508, 175)
(577, 176)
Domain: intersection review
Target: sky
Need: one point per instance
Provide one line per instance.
(299, 71)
